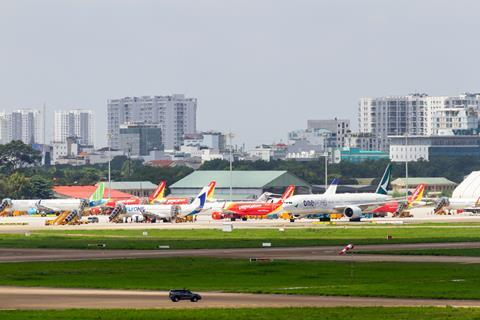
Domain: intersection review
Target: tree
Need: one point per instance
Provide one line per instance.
(40, 187)
(16, 155)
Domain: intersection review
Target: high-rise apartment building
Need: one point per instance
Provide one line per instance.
(25, 125)
(76, 123)
(340, 129)
(176, 116)
(413, 114)
(138, 139)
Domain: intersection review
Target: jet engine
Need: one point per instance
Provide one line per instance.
(32, 211)
(217, 215)
(353, 213)
(137, 218)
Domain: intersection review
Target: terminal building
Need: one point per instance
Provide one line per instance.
(246, 185)
(414, 148)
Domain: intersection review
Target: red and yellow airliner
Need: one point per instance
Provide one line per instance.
(393, 206)
(244, 210)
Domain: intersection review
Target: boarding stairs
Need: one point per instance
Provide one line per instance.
(117, 211)
(440, 206)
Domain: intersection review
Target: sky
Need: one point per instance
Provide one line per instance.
(259, 68)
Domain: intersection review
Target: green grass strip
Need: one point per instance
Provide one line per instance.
(254, 314)
(380, 279)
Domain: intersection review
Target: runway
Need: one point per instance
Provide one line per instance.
(53, 298)
(324, 253)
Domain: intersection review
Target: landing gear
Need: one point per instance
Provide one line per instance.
(292, 219)
(244, 218)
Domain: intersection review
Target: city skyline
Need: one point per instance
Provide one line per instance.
(316, 58)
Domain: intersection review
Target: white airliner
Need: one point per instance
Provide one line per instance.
(351, 205)
(164, 212)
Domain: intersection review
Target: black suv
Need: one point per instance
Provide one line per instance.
(177, 295)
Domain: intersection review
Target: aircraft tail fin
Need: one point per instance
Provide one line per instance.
(383, 185)
(417, 194)
(332, 188)
(288, 192)
(211, 190)
(98, 194)
(159, 193)
(199, 202)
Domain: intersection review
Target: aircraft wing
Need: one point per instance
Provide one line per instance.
(152, 214)
(41, 207)
(365, 207)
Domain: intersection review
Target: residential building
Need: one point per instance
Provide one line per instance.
(138, 139)
(454, 118)
(208, 139)
(175, 115)
(363, 141)
(339, 128)
(25, 125)
(74, 123)
(65, 150)
(411, 114)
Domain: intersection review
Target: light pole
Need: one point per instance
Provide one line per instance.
(109, 138)
(230, 136)
(406, 154)
(326, 170)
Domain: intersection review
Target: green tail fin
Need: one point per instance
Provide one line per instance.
(383, 185)
(98, 194)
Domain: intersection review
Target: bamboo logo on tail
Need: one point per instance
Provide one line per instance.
(98, 194)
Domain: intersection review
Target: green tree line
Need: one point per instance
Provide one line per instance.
(22, 176)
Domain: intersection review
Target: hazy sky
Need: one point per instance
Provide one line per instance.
(259, 68)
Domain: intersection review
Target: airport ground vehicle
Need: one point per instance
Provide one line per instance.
(92, 219)
(177, 295)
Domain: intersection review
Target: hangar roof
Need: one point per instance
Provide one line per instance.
(129, 185)
(84, 192)
(240, 179)
(427, 181)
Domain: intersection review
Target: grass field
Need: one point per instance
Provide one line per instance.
(254, 314)
(467, 252)
(239, 238)
(415, 280)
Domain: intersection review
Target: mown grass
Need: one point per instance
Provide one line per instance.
(381, 279)
(239, 238)
(465, 252)
(338, 313)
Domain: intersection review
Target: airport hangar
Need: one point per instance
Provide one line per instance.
(246, 185)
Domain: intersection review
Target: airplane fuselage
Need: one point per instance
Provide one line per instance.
(327, 204)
